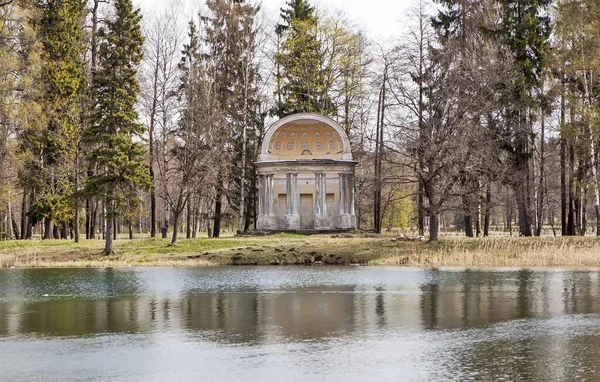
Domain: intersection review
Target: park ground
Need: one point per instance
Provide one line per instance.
(293, 249)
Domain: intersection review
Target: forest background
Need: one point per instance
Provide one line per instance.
(480, 118)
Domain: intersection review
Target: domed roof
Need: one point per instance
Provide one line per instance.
(305, 136)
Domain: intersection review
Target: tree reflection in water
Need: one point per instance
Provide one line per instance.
(516, 324)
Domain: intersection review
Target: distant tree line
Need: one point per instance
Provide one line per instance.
(475, 115)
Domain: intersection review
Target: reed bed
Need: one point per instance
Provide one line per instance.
(499, 252)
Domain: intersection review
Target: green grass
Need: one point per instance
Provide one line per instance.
(288, 249)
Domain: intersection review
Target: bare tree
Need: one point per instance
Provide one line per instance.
(192, 150)
(164, 39)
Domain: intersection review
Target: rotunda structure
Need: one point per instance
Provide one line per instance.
(305, 176)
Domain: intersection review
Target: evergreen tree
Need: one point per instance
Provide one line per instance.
(459, 25)
(60, 30)
(300, 77)
(296, 10)
(30, 119)
(576, 50)
(113, 126)
(524, 30)
(230, 52)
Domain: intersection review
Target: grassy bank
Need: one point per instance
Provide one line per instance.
(287, 249)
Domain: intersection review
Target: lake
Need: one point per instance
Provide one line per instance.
(299, 324)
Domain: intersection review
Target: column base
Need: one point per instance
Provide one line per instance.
(291, 221)
(322, 222)
(346, 221)
(266, 222)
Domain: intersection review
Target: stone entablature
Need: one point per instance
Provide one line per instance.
(305, 189)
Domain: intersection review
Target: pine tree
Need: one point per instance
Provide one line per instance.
(113, 126)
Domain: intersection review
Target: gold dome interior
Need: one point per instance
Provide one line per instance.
(311, 140)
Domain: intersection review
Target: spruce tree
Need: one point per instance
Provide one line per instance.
(60, 29)
(524, 30)
(230, 52)
(113, 128)
(301, 82)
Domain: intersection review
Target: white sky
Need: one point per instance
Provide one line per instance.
(380, 19)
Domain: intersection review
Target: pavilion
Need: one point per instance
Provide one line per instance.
(305, 176)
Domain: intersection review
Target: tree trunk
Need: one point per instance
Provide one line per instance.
(509, 210)
(165, 227)
(29, 234)
(108, 244)
(88, 213)
(249, 209)
(422, 134)
(521, 173)
(564, 199)
(578, 215)
(103, 221)
(434, 226)
(47, 228)
(93, 217)
(55, 232)
(540, 205)
(377, 191)
(468, 219)
(468, 225)
(152, 205)
(209, 228)
(176, 215)
(76, 225)
(242, 205)
(15, 226)
(584, 211)
(571, 217)
(218, 206)
(421, 209)
(478, 220)
(488, 209)
(523, 211)
(195, 213)
(130, 225)
(188, 219)
(24, 215)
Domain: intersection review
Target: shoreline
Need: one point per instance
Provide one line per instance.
(293, 249)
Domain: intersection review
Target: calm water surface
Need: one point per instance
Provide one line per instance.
(299, 323)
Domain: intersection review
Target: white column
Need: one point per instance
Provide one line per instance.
(324, 194)
(261, 196)
(317, 193)
(351, 187)
(270, 194)
(342, 194)
(294, 194)
(288, 194)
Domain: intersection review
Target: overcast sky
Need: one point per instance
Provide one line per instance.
(379, 18)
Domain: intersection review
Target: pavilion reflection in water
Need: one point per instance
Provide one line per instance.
(449, 300)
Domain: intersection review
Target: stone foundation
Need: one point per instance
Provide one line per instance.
(291, 222)
(267, 222)
(346, 222)
(322, 222)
